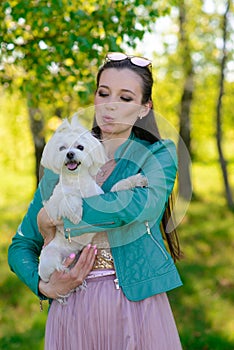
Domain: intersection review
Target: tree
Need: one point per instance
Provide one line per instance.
(50, 49)
(222, 160)
(189, 74)
(184, 180)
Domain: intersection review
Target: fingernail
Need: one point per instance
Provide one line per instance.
(95, 252)
(95, 246)
(88, 246)
(72, 255)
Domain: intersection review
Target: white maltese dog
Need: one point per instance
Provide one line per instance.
(76, 155)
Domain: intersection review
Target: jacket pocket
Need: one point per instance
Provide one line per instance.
(164, 253)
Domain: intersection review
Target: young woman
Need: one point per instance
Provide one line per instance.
(128, 268)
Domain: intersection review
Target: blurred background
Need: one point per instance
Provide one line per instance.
(50, 52)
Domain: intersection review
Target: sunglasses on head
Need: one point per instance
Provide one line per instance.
(136, 60)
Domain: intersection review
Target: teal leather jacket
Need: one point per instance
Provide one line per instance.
(131, 219)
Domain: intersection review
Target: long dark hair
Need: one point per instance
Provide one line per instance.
(145, 129)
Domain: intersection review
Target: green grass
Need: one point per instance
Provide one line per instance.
(21, 322)
(203, 307)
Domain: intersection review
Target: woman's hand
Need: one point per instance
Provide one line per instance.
(61, 283)
(46, 226)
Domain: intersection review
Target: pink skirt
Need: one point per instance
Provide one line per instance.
(102, 318)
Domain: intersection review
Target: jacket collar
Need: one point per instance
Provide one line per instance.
(123, 149)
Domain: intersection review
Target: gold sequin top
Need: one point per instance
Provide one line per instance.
(104, 259)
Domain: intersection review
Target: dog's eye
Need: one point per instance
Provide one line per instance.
(62, 148)
(80, 147)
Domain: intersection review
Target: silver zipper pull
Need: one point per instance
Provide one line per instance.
(147, 228)
(116, 282)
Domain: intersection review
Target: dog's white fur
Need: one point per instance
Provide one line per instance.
(76, 155)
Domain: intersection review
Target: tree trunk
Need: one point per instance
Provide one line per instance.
(37, 127)
(184, 144)
(222, 160)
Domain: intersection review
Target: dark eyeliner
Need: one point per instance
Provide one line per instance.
(126, 99)
(102, 93)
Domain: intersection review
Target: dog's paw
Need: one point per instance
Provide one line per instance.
(75, 217)
(139, 180)
(51, 210)
(132, 181)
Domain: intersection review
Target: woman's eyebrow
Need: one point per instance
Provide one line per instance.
(123, 90)
(104, 86)
(126, 90)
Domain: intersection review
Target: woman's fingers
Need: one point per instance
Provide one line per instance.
(82, 268)
(87, 257)
(62, 282)
(69, 260)
(85, 262)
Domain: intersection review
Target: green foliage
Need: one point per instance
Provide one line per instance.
(207, 238)
(205, 43)
(167, 94)
(51, 49)
(17, 153)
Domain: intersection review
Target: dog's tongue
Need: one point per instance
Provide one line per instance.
(72, 166)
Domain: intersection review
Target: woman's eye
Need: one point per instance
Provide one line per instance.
(102, 94)
(62, 148)
(126, 99)
(80, 147)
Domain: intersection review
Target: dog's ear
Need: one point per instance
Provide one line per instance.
(46, 157)
(64, 127)
(98, 157)
(76, 126)
(49, 159)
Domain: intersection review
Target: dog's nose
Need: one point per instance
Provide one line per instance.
(70, 155)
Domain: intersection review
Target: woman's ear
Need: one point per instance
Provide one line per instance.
(145, 109)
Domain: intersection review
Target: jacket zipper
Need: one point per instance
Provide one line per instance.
(116, 282)
(154, 240)
(68, 230)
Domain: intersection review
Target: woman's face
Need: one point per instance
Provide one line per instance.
(118, 102)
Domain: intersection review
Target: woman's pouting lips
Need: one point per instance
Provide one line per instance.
(107, 119)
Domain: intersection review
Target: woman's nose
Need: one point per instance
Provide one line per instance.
(111, 106)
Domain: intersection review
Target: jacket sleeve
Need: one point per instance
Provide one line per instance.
(114, 209)
(24, 251)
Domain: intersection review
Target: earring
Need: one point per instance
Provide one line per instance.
(140, 116)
